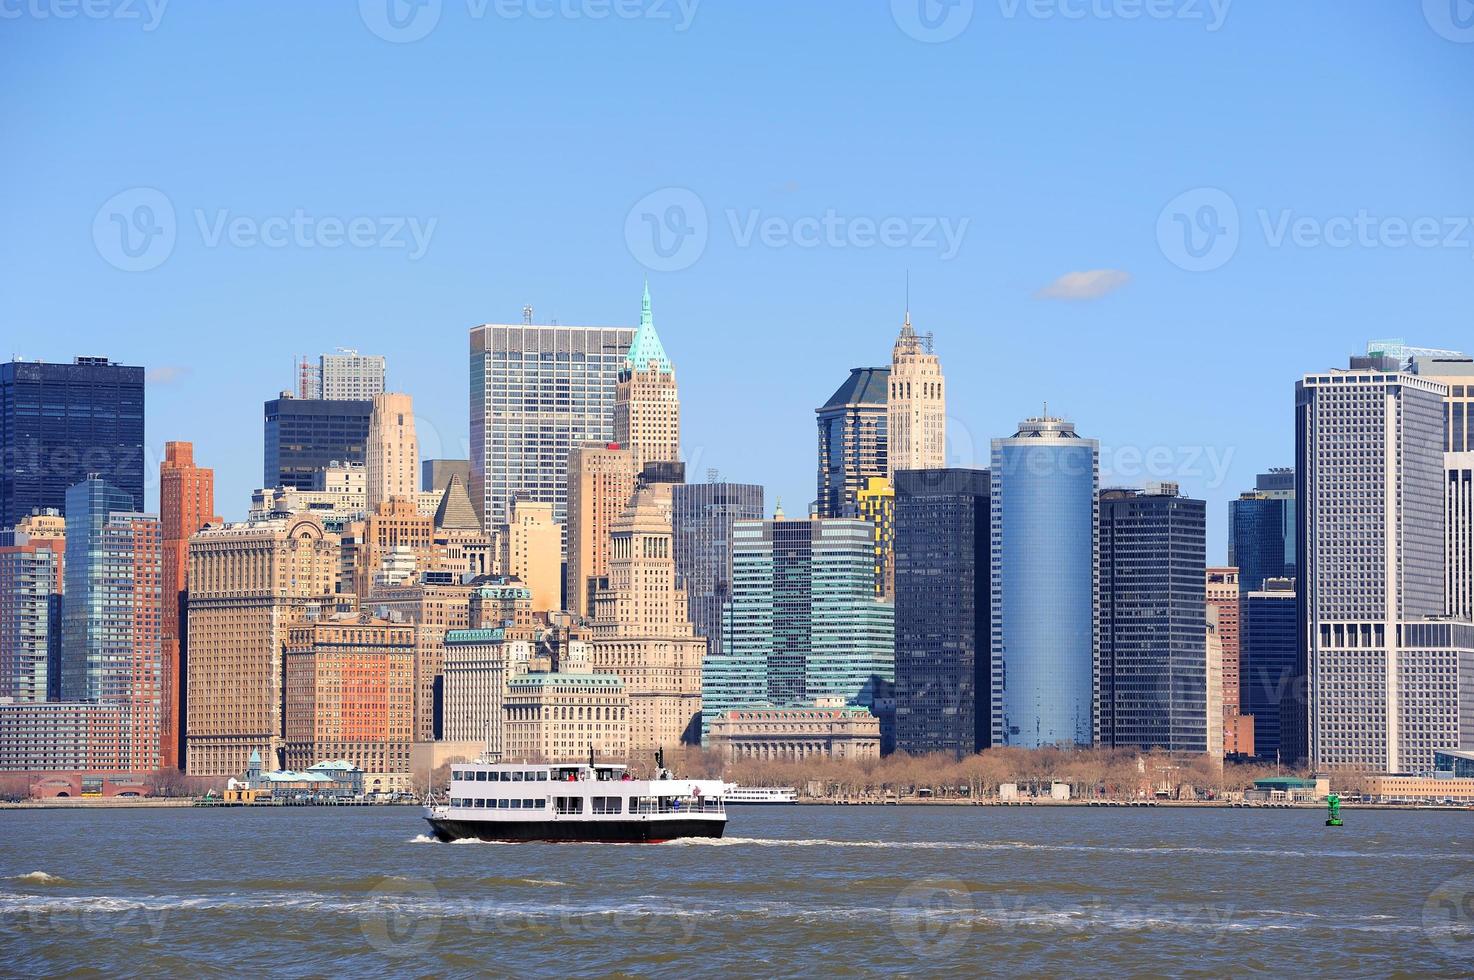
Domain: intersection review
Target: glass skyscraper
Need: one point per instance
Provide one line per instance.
(1268, 661)
(1044, 585)
(803, 622)
(536, 393)
(1153, 665)
(61, 422)
(852, 440)
(1261, 530)
(701, 522)
(942, 569)
(306, 435)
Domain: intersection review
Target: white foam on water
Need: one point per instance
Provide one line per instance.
(39, 878)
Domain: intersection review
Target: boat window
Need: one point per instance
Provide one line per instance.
(542, 777)
(503, 804)
(541, 804)
(516, 804)
(516, 777)
(496, 777)
(481, 776)
(457, 774)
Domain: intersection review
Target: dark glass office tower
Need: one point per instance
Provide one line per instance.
(701, 525)
(1269, 666)
(60, 423)
(943, 604)
(852, 440)
(304, 435)
(1257, 525)
(1153, 660)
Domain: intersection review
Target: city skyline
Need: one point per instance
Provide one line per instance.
(1275, 310)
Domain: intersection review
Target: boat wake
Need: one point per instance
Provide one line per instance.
(39, 878)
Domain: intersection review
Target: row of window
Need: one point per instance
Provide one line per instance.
(480, 804)
(498, 776)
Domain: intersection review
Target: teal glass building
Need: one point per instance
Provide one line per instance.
(803, 622)
(1044, 551)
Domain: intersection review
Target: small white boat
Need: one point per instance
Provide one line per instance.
(760, 795)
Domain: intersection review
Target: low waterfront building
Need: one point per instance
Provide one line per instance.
(795, 734)
(1397, 788)
(565, 716)
(1288, 789)
(65, 736)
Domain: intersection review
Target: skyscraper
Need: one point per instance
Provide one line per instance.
(536, 393)
(1224, 601)
(916, 405)
(1383, 666)
(1456, 373)
(392, 456)
(1153, 666)
(642, 631)
(186, 504)
(350, 376)
(852, 440)
(528, 549)
(59, 424)
(647, 407)
(702, 518)
(305, 435)
(943, 585)
(1270, 681)
(601, 480)
(1044, 582)
(248, 584)
(31, 569)
(1259, 547)
(111, 623)
(876, 503)
(803, 622)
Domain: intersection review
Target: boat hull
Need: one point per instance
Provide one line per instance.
(575, 831)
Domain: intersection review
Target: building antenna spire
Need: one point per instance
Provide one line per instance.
(908, 297)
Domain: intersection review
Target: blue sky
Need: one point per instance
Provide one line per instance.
(1067, 147)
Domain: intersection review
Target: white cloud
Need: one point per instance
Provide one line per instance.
(165, 374)
(1091, 284)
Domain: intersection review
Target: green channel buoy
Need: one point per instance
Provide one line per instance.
(1333, 815)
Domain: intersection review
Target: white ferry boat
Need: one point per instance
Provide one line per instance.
(508, 801)
(766, 795)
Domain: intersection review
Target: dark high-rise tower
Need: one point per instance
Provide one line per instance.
(852, 440)
(304, 435)
(701, 518)
(943, 576)
(1153, 665)
(59, 424)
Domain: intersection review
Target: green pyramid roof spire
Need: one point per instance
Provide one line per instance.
(646, 346)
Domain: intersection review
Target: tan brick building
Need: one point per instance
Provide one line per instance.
(647, 408)
(530, 548)
(248, 584)
(392, 455)
(556, 717)
(916, 406)
(601, 481)
(641, 630)
(350, 695)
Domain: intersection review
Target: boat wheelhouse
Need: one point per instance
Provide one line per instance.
(504, 801)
